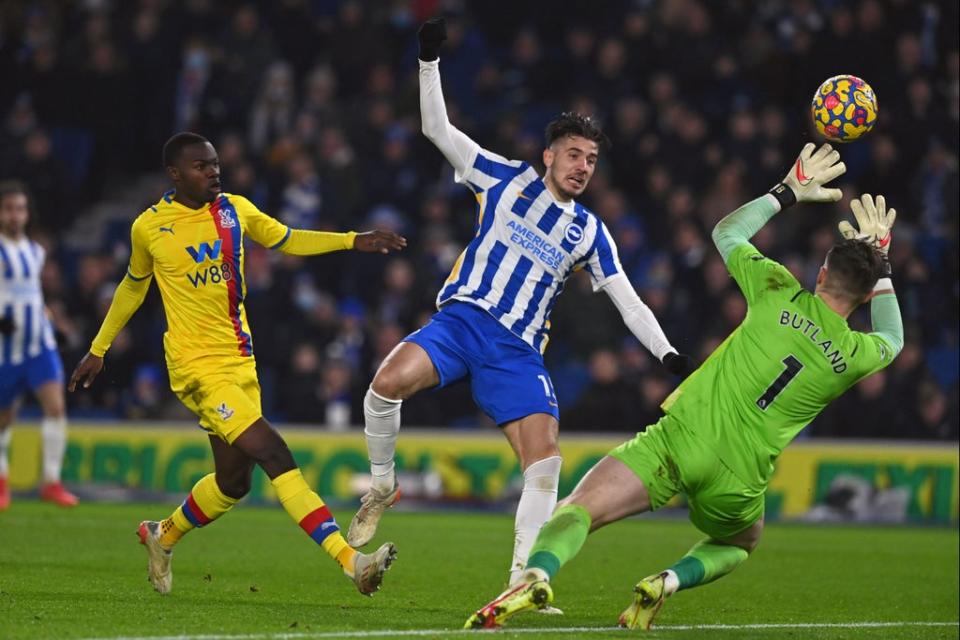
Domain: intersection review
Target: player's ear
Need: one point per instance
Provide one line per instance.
(548, 156)
(173, 173)
(822, 275)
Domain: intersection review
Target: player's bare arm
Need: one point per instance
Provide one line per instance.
(85, 372)
(378, 241)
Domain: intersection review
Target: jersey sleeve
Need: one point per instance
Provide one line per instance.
(757, 275)
(39, 252)
(486, 169)
(262, 229)
(602, 261)
(141, 260)
(872, 353)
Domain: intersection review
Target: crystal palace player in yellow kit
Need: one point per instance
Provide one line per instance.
(191, 242)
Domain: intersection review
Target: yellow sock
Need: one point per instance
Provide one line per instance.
(170, 532)
(313, 516)
(346, 557)
(204, 504)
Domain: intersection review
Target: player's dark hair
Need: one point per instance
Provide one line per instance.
(13, 187)
(853, 268)
(570, 123)
(176, 144)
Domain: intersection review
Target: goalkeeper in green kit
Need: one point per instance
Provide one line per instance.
(725, 425)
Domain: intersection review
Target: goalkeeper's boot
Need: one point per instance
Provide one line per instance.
(4, 493)
(368, 569)
(525, 596)
(56, 493)
(372, 505)
(647, 600)
(158, 566)
(548, 610)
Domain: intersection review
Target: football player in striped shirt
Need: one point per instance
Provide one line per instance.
(28, 350)
(191, 241)
(493, 319)
(727, 423)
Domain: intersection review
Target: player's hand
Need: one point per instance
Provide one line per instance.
(812, 170)
(379, 241)
(87, 369)
(678, 364)
(7, 326)
(875, 222)
(431, 35)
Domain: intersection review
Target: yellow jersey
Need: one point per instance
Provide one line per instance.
(196, 256)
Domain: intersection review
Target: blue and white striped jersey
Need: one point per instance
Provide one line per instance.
(21, 298)
(525, 246)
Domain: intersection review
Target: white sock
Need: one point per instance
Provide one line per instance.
(53, 431)
(539, 497)
(5, 436)
(670, 583)
(381, 426)
(534, 575)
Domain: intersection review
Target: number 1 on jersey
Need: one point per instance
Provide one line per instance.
(793, 368)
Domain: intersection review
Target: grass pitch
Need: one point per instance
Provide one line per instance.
(254, 574)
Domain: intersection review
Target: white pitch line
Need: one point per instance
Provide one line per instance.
(400, 633)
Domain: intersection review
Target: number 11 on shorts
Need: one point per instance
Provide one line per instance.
(547, 386)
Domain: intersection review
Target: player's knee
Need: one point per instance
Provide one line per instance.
(389, 382)
(542, 448)
(749, 539)
(236, 485)
(530, 458)
(56, 411)
(276, 459)
(753, 542)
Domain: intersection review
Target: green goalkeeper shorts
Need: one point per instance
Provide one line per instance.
(671, 460)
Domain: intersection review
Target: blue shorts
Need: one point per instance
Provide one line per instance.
(507, 376)
(29, 374)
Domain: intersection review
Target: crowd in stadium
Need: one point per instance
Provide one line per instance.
(312, 106)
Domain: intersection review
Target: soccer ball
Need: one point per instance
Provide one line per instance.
(844, 108)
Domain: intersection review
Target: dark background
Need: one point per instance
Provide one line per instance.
(313, 108)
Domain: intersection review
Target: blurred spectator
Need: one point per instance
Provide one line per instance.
(607, 403)
(297, 395)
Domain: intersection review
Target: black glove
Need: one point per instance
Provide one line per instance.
(7, 326)
(431, 34)
(678, 364)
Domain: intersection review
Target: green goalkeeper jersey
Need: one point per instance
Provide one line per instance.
(787, 360)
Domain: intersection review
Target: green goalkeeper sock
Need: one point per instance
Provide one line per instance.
(560, 539)
(707, 561)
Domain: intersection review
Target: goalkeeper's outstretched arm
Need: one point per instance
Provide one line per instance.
(804, 183)
(738, 227)
(874, 226)
(885, 315)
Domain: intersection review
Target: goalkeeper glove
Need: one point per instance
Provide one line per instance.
(678, 364)
(875, 222)
(810, 172)
(431, 35)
